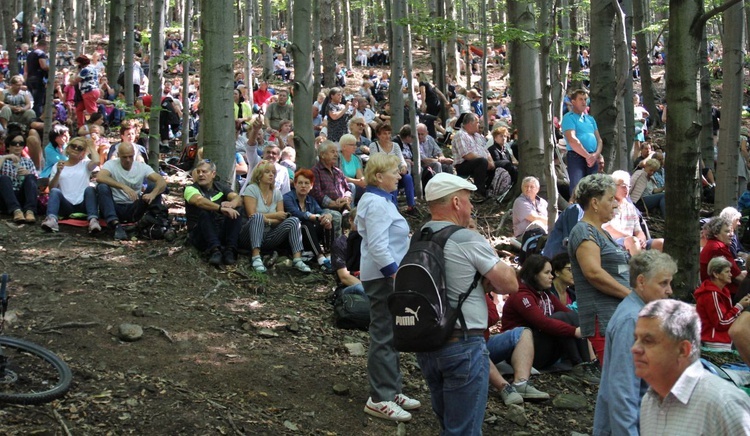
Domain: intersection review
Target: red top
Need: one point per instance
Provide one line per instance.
(717, 314)
(529, 308)
(716, 248)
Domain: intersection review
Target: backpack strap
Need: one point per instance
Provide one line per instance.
(461, 299)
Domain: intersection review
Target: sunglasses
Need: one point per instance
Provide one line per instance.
(75, 147)
(16, 143)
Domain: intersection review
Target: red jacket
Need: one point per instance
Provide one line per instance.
(716, 248)
(529, 308)
(716, 312)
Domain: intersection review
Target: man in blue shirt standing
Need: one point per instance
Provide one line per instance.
(582, 137)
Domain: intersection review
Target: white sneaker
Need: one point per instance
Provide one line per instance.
(407, 403)
(387, 410)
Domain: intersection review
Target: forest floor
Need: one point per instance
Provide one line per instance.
(224, 351)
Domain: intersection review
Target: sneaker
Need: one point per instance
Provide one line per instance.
(407, 403)
(229, 257)
(258, 264)
(326, 266)
(387, 410)
(585, 372)
(50, 224)
(120, 233)
(30, 217)
(18, 216)
(215, 257)
(301, 266)
(509, 395)
(528, 392)
(94, 226)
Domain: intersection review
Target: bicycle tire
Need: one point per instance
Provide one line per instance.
(55, 374)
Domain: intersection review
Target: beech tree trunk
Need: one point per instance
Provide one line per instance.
(327, 39)
(80, 11)
(416, 169)
(706, 136)
(575, 64)
(28, 15)
(348, 55)
(129, 48)
(267, 49)
(301, 50)
(114, 51)
(731, 108)
(396, 97)
(644, 67)
(8, 15)
(188, 40)
(316, 48)
(546, 17)
(603, 81)
(217, 121)
(54, 14)
(248, 49)
(156, 74)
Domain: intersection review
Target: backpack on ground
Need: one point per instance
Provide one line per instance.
(422, 316)
(501, 184)
(350, 310)
(155, 223)
(532, 242)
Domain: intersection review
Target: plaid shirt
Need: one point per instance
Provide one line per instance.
(463, 144)
(330, 184)
(11, 170)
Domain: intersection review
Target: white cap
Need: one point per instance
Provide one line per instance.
(443, 184)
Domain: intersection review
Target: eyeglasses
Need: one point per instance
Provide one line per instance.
(75, 147)
(16, 143)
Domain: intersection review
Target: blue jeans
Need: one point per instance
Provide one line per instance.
(58, 206)
(501, 346)
(407, 183)
(122, 212)
(578, 169)
(12, 199)
(458, 377)
(354, 289)
(652, 202)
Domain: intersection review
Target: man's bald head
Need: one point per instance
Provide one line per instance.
(126, 154)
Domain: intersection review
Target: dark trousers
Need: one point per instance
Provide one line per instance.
(476, 168)
(122, 212)
(38, 90)
(313, 234)
(548, 349)
(11, 199)
(215, 231)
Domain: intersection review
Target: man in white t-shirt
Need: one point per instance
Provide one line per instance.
(120, 185)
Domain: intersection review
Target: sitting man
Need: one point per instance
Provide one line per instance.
(529, 208)
(471, 156)
(625, 227)
(280, 68)
(120, 182)
(331, 190)
(213, 221)
(278, 111)
(431, 155)
(683, 398)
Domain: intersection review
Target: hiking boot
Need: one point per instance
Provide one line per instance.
(18, 216)
(214, 257)
(386, 410)
(50, 224)
(407, 403)
(120, 233)
(94, 226)
(229, 257)
(528, 392)
(509, 395)
(584, 371)
(301, 266)
(30, 217)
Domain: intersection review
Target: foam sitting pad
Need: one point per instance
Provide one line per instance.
(80, 222)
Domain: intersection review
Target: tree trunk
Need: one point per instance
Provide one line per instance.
(301, 50)
(348, 55)
(396, 97)
(644, 67)
(248, 48)
(546, 17)
(682, 185)
(731, 108)
(485, 83)
(575, 64)
(290, 19)
(559, 70)
(98, 9)
(28, 15)
(129, 47)
(267, 48)
(416, 170)
(156, 74)
(437, 52)
(188, 39)
(706, 136)
(114, 52)
(316, 48)
(626, 34)
(467, 44)
(54, 14)
(603, 82)
(87, 14)
(527, 94)
(327, 35)
(8, 15)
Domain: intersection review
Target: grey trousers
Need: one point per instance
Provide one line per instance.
(383, 368)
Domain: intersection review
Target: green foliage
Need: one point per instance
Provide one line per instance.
(511, 34)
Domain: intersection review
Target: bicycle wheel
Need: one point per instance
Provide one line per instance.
(32, 374)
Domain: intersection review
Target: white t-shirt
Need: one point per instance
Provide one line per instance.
(73, 181)
(253, 190)
(133, 178)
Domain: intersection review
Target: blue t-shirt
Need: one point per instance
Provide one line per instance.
(350, 168)
(51, 157)
(584, 126)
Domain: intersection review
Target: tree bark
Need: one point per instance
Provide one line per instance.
(316, 47)
(416, 169)
(8, 14)
(249, 13)
(559, 70)
(575, 64)
(267, 48)
(28, 14)
(603, 81)
(54, 14)
(731, 108)
(327, 39)
(396, 97)
(156, 74)
(114, 51)
(301, 49)
(129, 48)
(348, 55)
(80, 11)
(706, 136)
(644, 67)
(546, 18)
(188, 40)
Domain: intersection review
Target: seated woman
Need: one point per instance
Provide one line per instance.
(713, 301)
(55, 150)
(18, 188)
(501, 155)
(385, 145)
(345, 258)
(317, 225)
(269, 225)
(554, 326)
(69, 186)
(351, 166)
(528, 208)
(563, 285)
(644, 199)
(718, 233)
(213, 220)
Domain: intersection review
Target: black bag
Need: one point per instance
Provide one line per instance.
(351, 310)
(423, 318)
(155, 223)
(532, 242)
